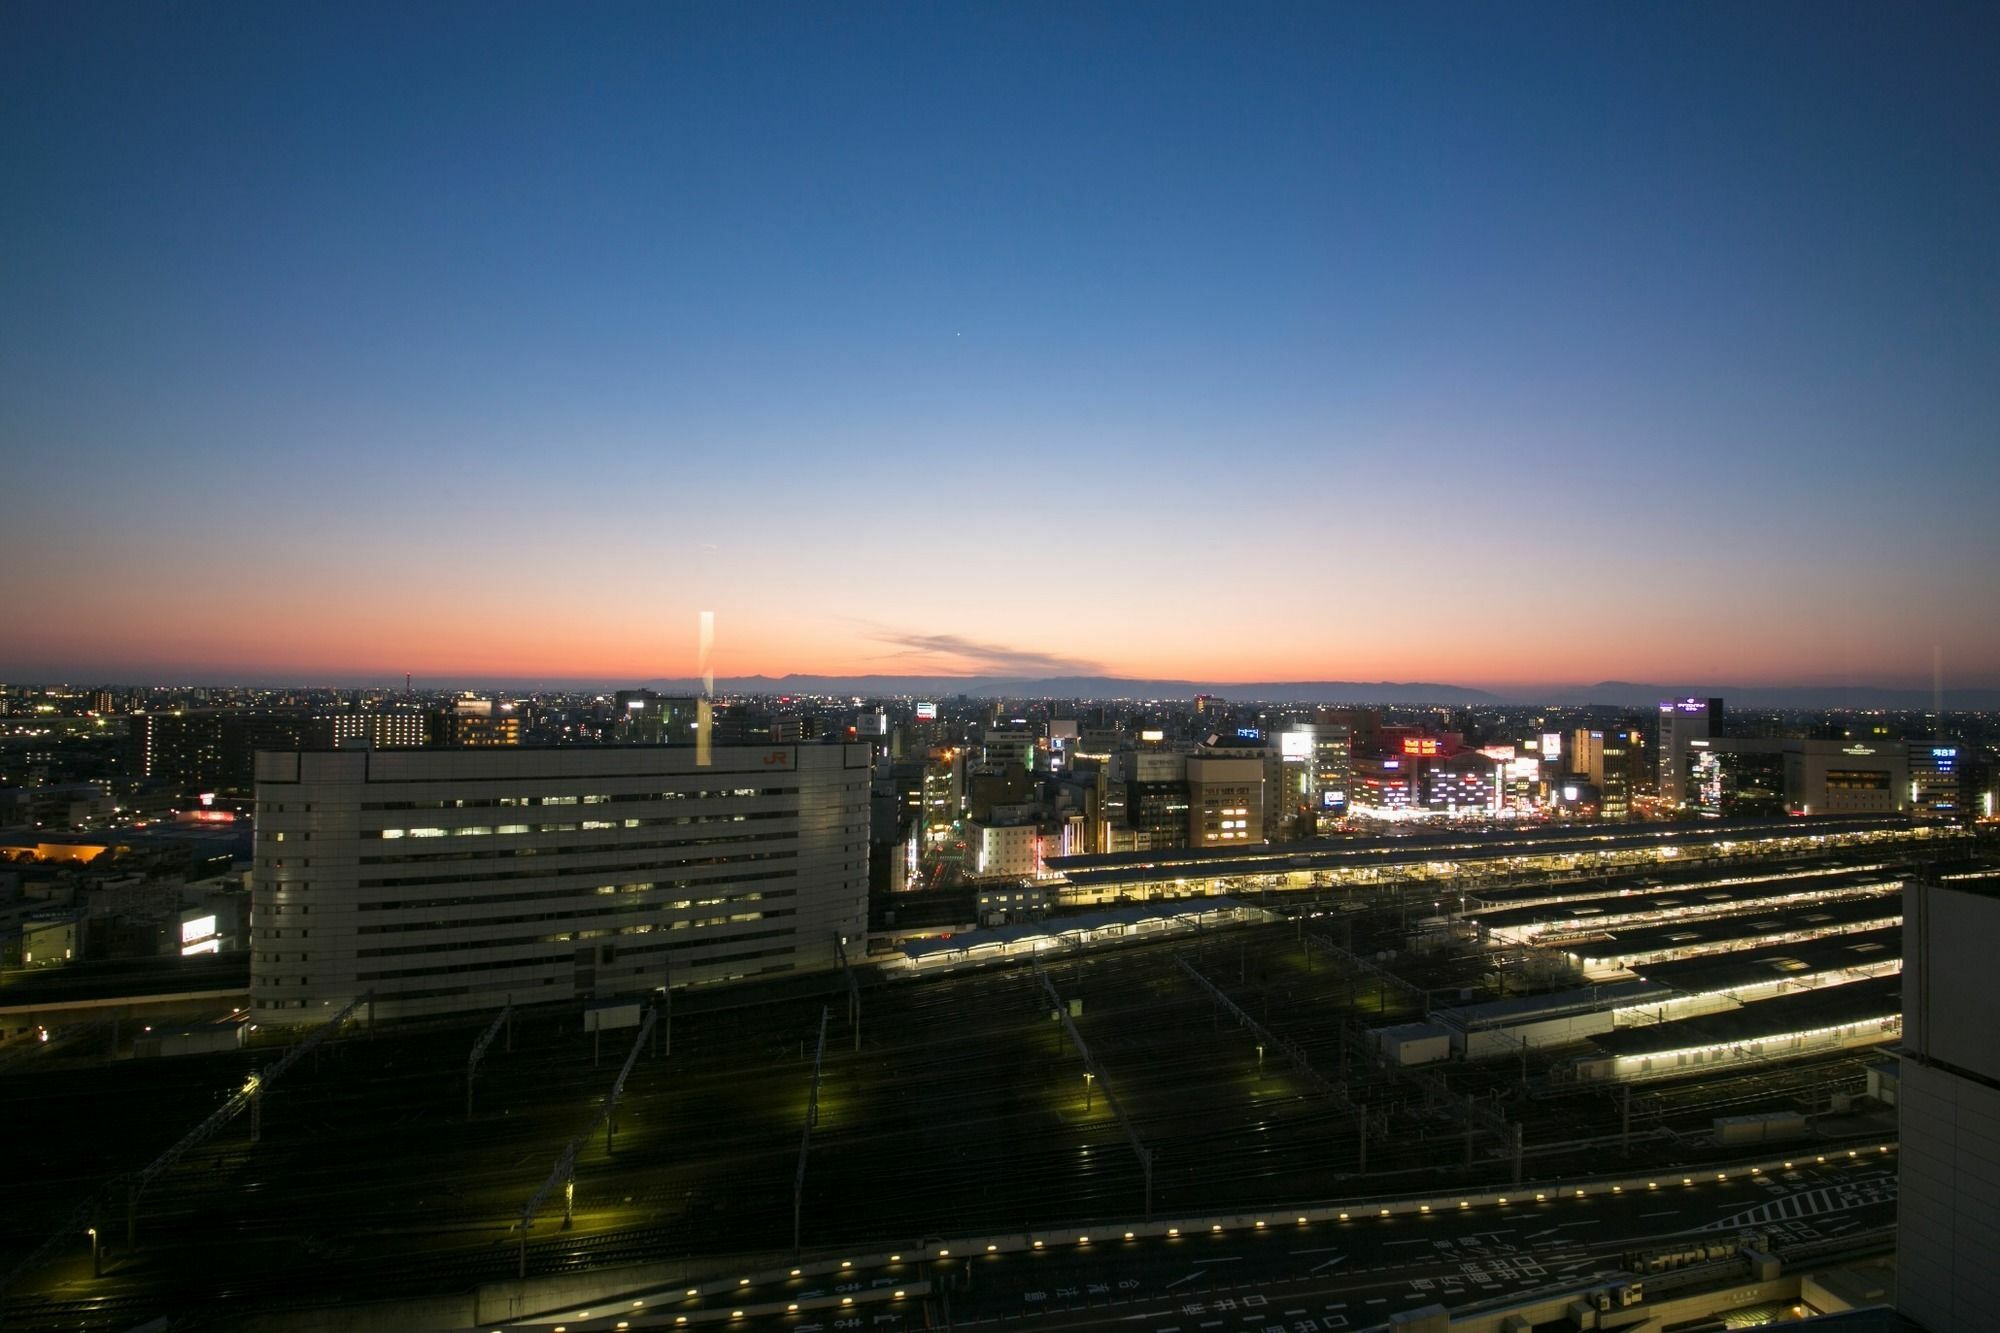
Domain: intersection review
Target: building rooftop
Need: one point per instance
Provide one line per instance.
(1477, 845)
(1827, 1007)
(1744, 926)
(1984, 882)
(1693, 900)
(1056, 929)
(1555, 1004)
(1801, 958)
(136, 977)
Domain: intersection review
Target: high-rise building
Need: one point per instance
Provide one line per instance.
(1737, 778)
(1156, 798)
(1948, 1102)
(1333, 767)
(448, 880)
(476, 724)
(1225, 800)
(941, 796)
(214, 749)
(1935, 778)
(797, 728)
(1004, 747)
(1603, 756)
(380, 729)
(643, 717)
(1288, 811)
(1681, 722)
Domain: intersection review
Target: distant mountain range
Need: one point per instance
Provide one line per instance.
(1606, 693)
(1094, 687)
(1610, 693)
(1626, 694)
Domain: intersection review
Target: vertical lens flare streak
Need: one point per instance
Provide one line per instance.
(704, 708)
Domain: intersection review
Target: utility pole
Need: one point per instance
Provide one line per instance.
(854, 1006)
(246, 1098)
(564, 1171)
(805, 1138)
(500, 1020)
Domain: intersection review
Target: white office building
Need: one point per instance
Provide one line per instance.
(451, 880)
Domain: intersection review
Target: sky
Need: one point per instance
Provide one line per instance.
(1486, 344)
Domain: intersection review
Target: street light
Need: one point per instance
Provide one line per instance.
(96, 1256)
(1089, 1086)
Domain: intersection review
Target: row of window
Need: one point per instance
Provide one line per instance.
(568, 891)
(550, 872)
(439, 855)
(495, 802)
(559, 959)
(447, 992)
(572, 914)
(585, 825)
(568, 936)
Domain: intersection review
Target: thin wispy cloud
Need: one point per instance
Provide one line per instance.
(975, 658)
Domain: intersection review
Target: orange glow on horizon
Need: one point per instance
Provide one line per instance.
(375, 630)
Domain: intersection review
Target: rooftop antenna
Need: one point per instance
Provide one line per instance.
(406, 684)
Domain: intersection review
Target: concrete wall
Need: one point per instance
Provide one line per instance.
(394, 871)
(1491, 1043)
(1948, 1206)
(1948, 1210)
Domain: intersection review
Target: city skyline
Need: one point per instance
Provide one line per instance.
(1227, 344)
(1119, 666)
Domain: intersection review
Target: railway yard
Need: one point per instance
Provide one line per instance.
(1589, 1025)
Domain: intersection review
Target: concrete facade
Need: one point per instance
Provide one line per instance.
(450, 880)
(1948, 1099)
(1847, 777)
(1225, 801)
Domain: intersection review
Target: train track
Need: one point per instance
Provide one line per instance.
(959, 1114)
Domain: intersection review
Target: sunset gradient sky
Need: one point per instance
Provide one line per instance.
(1497, 345)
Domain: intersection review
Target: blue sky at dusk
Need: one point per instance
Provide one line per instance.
(1499, 345)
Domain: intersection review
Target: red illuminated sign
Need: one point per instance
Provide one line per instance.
(1422, 745)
